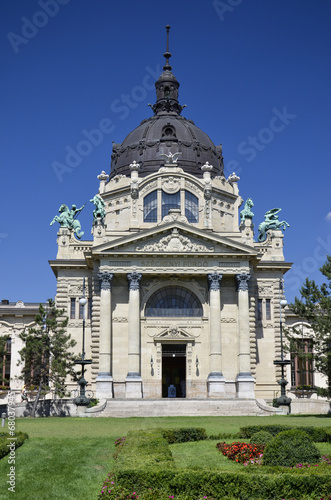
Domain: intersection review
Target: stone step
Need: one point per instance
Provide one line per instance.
(180, 407)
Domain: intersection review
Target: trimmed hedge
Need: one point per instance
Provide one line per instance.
(226, 485)
(184, 435)
(145, 467)
(318, 434)
(144, 449)
(17, 440)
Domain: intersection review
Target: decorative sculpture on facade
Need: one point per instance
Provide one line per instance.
(271, 222)
(99, 212)
(170, 158)
(246, 212)
(67, 219)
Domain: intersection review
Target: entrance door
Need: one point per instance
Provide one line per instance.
(174, 370)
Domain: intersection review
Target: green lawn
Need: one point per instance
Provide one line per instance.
(68, 458)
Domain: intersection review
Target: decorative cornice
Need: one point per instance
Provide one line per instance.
(242, 281)
(134, 280)
(105, 278)
(214, 281)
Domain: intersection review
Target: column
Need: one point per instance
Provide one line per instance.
(244, 380)
(133, 385)
(215, 381)
(104, 380)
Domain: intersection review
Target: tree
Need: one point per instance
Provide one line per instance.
(47, 356)
(315, 306)
(3, 359)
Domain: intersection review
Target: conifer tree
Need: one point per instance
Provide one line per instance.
(315, 307)
(46, 356)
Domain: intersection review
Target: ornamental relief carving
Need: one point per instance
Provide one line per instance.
(118, 319)
(176, 331)
(149, 186)
(192, 187)
(175, 242)
(77, 290)
(170, 185)
(228, 320)
(264, 290)
(173, 333)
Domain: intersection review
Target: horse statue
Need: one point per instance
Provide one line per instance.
(246, 212)
(271, 222)
(67, 219)
(99, 212)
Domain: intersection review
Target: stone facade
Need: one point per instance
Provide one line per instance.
(226, 350)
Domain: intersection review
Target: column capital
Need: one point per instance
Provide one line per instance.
(242, 281)
(134, 280)
(105, 278)
(214, 280)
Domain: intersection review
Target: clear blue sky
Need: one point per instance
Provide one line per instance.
(69, 64)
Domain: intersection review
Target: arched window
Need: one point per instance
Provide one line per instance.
(150, 207)
(175, 301)
(191, 207)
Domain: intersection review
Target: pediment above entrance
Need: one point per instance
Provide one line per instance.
(173, 334)
(175, 238)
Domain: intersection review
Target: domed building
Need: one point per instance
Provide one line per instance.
(182, 302)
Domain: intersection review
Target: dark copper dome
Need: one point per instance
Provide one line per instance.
(166, 132)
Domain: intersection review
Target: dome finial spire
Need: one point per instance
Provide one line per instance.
(167, 54)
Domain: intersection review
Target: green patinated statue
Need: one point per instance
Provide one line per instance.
(246, 212)
(67, 219)
(99, 212)
(271, 222)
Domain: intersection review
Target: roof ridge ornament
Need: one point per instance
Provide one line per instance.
(167, 54)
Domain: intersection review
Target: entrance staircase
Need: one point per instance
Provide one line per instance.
(180, 407)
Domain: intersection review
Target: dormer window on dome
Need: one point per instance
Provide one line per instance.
(168, 133)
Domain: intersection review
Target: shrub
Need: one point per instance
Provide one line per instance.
(5, 439)
(184, 435)
(290, 448)
(261, 437)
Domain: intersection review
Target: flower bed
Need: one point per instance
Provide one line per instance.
(241, 452)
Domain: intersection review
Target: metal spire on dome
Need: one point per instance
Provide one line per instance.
(167, 54)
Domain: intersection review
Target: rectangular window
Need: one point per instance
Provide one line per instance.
(72, 308)
(302, 370)
(268, 309)
(170, 201)
(88, 310)
(150, 207)
(81, 311)
(259, 310)
(191, 207)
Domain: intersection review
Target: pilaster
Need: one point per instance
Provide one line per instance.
(215, 381)
(244, 380)
(104, 380)
(133, 383)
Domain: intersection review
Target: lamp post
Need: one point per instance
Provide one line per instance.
(283, 400)
(82, 400)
